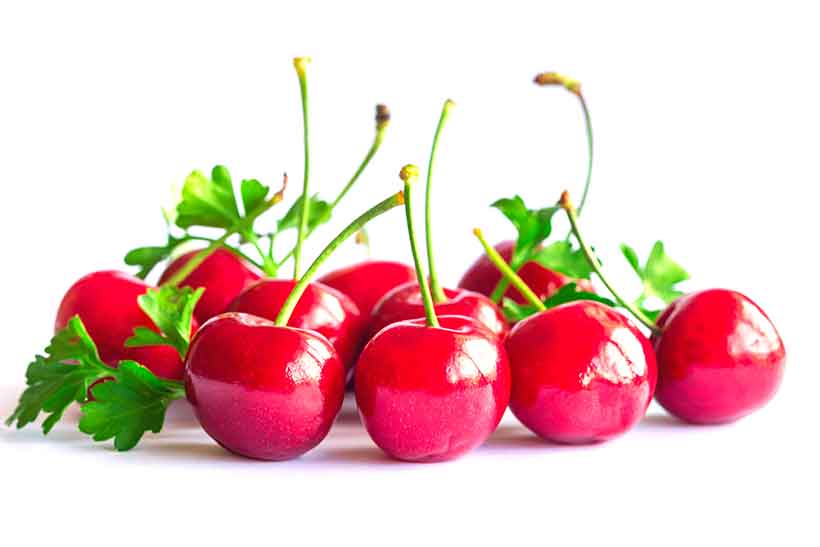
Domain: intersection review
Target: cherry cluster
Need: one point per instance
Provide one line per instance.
(265, 360)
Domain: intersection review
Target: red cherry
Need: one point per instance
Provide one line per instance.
(223, 275)
(582, 373)
(321, 309)
(405, 302)
(432, 393)
(366, 282)
(483, 276)
(719, 357)
(106, 301)
(263, 391)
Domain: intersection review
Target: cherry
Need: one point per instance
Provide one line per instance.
(483, 277)
(106, 301)
(428, 393)
(581, 373)
(367, 282)
(261, 390)
(719, 357)
(321, 309)
(223, 275)
(431, 389)
(406, 302)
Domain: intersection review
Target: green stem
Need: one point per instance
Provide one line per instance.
(588, 126)
(300, 63)
(409, 174)
(435, 287)
(508, 273)
(296, 293)
(268, 264)
(567, 206)
(382, 121)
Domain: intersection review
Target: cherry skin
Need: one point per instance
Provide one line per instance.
(582, 373)
(405, 302)
(428, 394)
(719, 357)
(223, 275)
(483, 276)
(366, 282)
(263, 391)
(106, 301)
(321, 309)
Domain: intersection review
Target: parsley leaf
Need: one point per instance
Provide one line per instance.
(533, 226)
(567, 293)
(128, 407)
(660, 276)
(208, 201)
(562, 257)
(318, 214)
(253, 194)
(171, 309)
(148, 257)
(60, 377)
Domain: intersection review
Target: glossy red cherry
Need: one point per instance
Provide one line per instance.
(432, 393)
(582, 373)
(263, 391)
(106, 301)
(483, 276)
(366, 282)
(321, 309)
(405, 302)
(223, 275)
(719, 357)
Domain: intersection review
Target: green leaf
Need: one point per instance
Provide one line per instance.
(208, 201)
(128, 407)
(171, 309)
(318, 213)
(567, 293)
(533, 226)
(148, 257)
(60, 377)
(562, 257)
(659, 276)
(253, 194)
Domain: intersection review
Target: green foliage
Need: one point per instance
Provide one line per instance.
(659, 276)
(171, 309)
(567, 293)
(318, 214)
(533, 226)
(562, 257)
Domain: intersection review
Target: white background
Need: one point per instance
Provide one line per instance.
(706, 119)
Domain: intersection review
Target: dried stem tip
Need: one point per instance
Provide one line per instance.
(449, 104)
(553, 78)
(565, 202)
(382, 116)
(409, 173)
(280, 194)
(300, 64)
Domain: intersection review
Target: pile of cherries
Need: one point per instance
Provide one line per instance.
(433, 368)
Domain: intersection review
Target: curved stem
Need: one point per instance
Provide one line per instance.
(409, 174)
(588, 126)
(382, 121)
(267, 263)
(508, 273)
(435, 287)
(300, 63)
(298, 290)
(566, 205)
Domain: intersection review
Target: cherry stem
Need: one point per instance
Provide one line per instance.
(508, 273)
(298, 290)
(435, 287)
(566, 204)
(410, 174)
(382, 121)
(300, 64)
(241, 227)
(574, 87)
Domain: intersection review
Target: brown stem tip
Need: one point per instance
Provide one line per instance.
(280, 195)
(553, 78)
(565, 202)
(382, 116)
